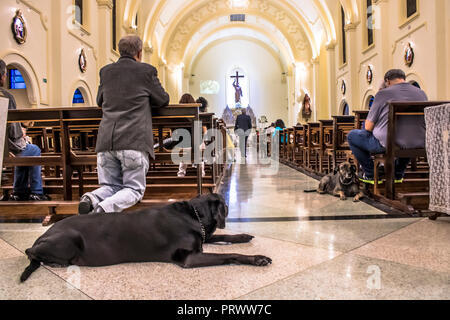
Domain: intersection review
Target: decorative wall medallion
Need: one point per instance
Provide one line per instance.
(19, 28)
(82, 61)
(409, 55)
(369, 75)
(343, 87)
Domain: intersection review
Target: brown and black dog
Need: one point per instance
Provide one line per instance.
(343, 183)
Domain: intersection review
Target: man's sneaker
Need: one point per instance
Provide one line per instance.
(181, 174)
(85, 206)
(39, 197)
(18, 197)
(399, 179)
(366, 179)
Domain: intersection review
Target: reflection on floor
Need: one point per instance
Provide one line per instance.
(316, 253)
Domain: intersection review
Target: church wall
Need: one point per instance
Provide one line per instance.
(268, 94)
(31, 58)
(427, 33)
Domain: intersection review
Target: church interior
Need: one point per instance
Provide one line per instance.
(317, 65)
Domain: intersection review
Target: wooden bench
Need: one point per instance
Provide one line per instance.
(416, 193)
(58, 128)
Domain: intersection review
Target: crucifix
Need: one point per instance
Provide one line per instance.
(237, 87)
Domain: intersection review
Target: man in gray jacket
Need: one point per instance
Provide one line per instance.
(127, 92)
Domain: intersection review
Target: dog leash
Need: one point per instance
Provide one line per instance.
(201, 226)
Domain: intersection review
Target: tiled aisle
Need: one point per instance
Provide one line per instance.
(326, 257)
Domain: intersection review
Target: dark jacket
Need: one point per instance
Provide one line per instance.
(16, 140)
(128, 90)
(243, 122)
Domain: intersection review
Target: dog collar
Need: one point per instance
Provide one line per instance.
(345, 184)
(201, 226)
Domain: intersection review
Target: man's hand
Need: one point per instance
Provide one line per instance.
(24, 131)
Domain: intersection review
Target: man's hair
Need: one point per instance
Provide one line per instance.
(395, 74)
(244, 112)
(204, 104)
(2, 68)
(130, 46)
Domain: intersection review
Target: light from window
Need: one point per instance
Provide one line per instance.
(77, 97)
(16, 80)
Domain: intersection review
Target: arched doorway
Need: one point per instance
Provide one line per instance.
(78, 98)
(345, 108)
(18, 85)
(369, 102)
(415, 84)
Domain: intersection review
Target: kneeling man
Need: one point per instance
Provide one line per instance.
(128, 90)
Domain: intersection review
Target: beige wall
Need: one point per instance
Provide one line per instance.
(268, 94)
(429, 33)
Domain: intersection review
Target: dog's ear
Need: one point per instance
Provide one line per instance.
(353, 168)
(219, 209)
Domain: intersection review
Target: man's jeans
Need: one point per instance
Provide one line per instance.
(122, 176)
(363, 144)
(28, 179)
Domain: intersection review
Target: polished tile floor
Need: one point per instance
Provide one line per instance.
(321, 247)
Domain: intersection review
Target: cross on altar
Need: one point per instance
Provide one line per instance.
(237, 76)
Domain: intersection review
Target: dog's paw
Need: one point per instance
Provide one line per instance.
(262, 261)
(343, 198)
(243, 238)
(356, 200)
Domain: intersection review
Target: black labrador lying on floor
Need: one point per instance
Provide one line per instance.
(174, 234)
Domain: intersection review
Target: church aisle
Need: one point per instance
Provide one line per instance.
(353, 251)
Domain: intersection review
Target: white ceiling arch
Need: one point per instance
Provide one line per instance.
(255, 28)
(312, 15)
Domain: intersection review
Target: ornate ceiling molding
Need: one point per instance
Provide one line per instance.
(179, 35)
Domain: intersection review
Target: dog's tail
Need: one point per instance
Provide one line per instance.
(34, 265)
(310, 191)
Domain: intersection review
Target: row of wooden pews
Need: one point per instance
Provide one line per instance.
(317, 148)
(67, 138)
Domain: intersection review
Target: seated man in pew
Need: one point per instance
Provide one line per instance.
(127, 92)
(27, 180)
(372, 139)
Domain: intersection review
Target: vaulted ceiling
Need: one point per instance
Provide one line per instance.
(178, 31)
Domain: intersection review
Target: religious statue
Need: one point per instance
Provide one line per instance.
(238, 93)
(237, 87)
(305, 114)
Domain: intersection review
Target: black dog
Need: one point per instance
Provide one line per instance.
(174, 234)
(342, 183)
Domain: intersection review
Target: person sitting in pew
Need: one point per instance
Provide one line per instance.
(27, 180)
(372, 139)
(187, 99)
(128, 91)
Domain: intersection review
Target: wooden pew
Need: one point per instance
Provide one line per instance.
(326, 146)
(66, 122)
(312, 147)
(412, 189)
(342, 125)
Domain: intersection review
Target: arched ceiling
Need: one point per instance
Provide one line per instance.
(255, 28)
(171, 25)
